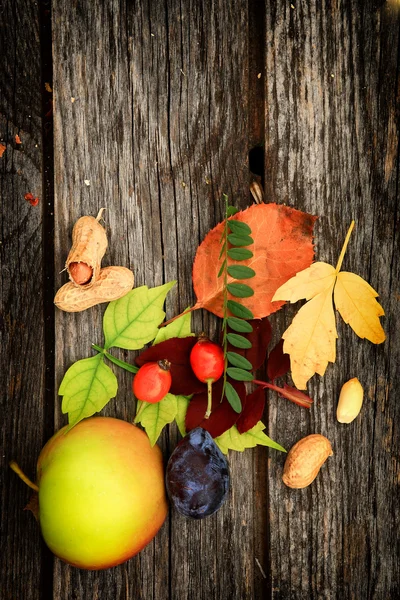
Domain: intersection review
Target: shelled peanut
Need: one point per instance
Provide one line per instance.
(305, 459)
(90, 284)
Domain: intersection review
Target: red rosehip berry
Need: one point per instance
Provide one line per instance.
(207, 362)
(152, 382)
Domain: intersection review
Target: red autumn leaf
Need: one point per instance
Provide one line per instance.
(252, 412)
(282, 247)
(17, 139)
(260, 338)
(278, 362)
(177, 352)
(222, 417)
(3, 148)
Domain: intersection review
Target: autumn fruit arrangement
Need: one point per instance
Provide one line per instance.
(101, 490)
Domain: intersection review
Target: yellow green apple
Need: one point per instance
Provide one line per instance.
(101, 492)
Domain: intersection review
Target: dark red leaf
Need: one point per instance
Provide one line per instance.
(177, 352)
(252, 412)
(278, 362)
(222, 415)
(293, 394)
(260, 338)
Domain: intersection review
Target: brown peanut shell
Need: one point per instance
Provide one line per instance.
(305, 460)
(112, 283)
(89, 243)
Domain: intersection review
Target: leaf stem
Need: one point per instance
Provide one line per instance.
(139, 409)
(17, 469)
(185, 312)
(344, 248)
(300, 401)
(116, 361)
(225, 299)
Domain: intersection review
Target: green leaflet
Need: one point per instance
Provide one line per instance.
(182, 404)
(133, 320)
(239, 374)
(233, 440)
(179, 328)
(155, 416)
(86, 388)
(239, 325)
(233, 397)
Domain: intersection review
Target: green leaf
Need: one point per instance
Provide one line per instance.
(233, 440)
(239, 374)
(241, 272)
(182, 404)
(86, 388)
(240, 240)
(155, 416)
(239, 325)
(222, 250)
(179, 328)
(239, 227)
(233, 397)
(240, 290)
(237, 360)
(239, 310)
(222, 268)
(133, 320)
(240, 253)
(238, 340)
(230, 211)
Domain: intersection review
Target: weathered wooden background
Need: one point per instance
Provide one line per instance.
(158, 104)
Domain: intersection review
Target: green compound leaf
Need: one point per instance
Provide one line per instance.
(239, 325)
(240, 254)
(239, 227)
(240, 290)
(233, 440)
(133, 320)
(231, 210)
(155, 416)
(222, 269)
(233, 397)
(86, 388)
(180, 328)
(182, 404)
(238, 310)
(239, 374)
(241, 272)
(240, 240)
(238, 340)
(237, 360)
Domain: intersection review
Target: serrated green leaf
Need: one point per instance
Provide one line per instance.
(155, 416)
(221, 270)
(182, 406)
(239, 374)
(237, 360)
(179, 328)
(239, 325)
(240, 240)
(233, 440)
(240, 253)
(238, 341)
(239, 310)
(233, 397)
(86, 388)
(240, 290)
(239, 227)
(241, 272)
(133, 320)
(231, 210)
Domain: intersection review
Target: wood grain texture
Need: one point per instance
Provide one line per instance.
(331, 149)
(22, 340)
(158, 125)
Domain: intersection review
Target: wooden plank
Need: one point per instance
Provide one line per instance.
(332, 150)
(153, 115)
(25, 561)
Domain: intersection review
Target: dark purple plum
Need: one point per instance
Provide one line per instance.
(197, 475)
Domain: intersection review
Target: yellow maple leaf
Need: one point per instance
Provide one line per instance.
(311, 338)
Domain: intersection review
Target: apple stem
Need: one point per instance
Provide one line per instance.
(209, 398)
(16, 468)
